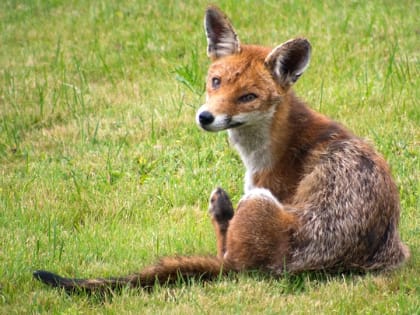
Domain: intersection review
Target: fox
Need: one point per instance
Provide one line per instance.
(316, 197)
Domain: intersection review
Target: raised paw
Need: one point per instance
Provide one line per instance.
(220, 206)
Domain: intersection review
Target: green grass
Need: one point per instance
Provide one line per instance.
(103, 169)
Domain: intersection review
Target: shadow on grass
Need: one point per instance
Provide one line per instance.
(300, 283)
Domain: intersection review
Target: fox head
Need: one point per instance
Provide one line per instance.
(246, 83)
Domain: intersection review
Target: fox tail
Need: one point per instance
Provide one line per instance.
(165, 271)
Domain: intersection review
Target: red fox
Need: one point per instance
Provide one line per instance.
(316, 196)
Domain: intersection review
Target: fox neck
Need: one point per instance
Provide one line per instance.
(253, 144)
(258, 149)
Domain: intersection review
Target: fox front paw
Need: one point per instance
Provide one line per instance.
(220, 207)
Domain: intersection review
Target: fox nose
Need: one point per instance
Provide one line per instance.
(205, 118)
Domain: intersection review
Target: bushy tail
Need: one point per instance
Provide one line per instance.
(165, 271)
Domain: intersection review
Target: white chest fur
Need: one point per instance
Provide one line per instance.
(253, 145)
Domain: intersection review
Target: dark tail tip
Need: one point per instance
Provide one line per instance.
(49, 278)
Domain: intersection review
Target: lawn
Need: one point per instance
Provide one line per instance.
(103, 170)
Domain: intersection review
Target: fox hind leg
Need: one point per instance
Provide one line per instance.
(260, 233)
(221, 211)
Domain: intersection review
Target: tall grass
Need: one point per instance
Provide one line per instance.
(103, 169)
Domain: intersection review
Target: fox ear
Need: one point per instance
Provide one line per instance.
(289, 60)
(221, 37)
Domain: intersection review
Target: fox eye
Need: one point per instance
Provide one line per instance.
(247, 98)
(215, 82)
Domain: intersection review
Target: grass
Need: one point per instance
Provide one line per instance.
(103, 169)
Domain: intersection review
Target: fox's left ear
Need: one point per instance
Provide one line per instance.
(289, 60)
(221, 37)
